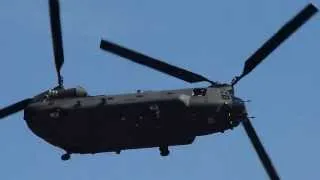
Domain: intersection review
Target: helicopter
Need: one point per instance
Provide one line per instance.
(77, 122)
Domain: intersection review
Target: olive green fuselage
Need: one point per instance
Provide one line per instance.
(107, 123)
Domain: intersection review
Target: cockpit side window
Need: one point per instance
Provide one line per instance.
(199, 92)
(225, 95)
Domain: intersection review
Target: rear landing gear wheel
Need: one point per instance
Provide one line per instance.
(65, 157)
(164, 151)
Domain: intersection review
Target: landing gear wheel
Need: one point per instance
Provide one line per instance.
(164, 151)
(65, 157)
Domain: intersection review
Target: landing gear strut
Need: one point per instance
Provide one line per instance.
(65, 157)
(164, 151)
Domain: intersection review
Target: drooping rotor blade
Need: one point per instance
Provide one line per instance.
(56, 36)
(14, 108)
(267, 48)
(264, 158)
(156, 64)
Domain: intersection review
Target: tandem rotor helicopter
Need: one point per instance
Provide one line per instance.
(80, 123)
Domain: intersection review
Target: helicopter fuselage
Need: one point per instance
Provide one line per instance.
(111, 123)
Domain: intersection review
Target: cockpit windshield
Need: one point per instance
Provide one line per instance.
(199, 92)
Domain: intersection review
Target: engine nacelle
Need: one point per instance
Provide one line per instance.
(68, 93)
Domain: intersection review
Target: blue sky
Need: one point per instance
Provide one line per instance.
(209, 37)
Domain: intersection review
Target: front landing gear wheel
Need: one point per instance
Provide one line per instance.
(65, 157)
(164, 151)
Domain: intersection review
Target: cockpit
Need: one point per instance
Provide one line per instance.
(199, 91)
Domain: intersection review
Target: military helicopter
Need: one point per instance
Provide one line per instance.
(77, 122)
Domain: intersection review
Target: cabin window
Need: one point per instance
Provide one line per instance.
(55, 114)
(211, 120)
(103, 101)
(77, 104)
(199, 92)
(155, 110)
(225, 95)
(122, 117)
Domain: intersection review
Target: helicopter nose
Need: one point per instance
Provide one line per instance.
(239, 112)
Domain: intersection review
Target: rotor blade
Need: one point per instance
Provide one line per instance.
(264, 158)
(14, 108)
(288, 29)
(156, 64)
(56, 36)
